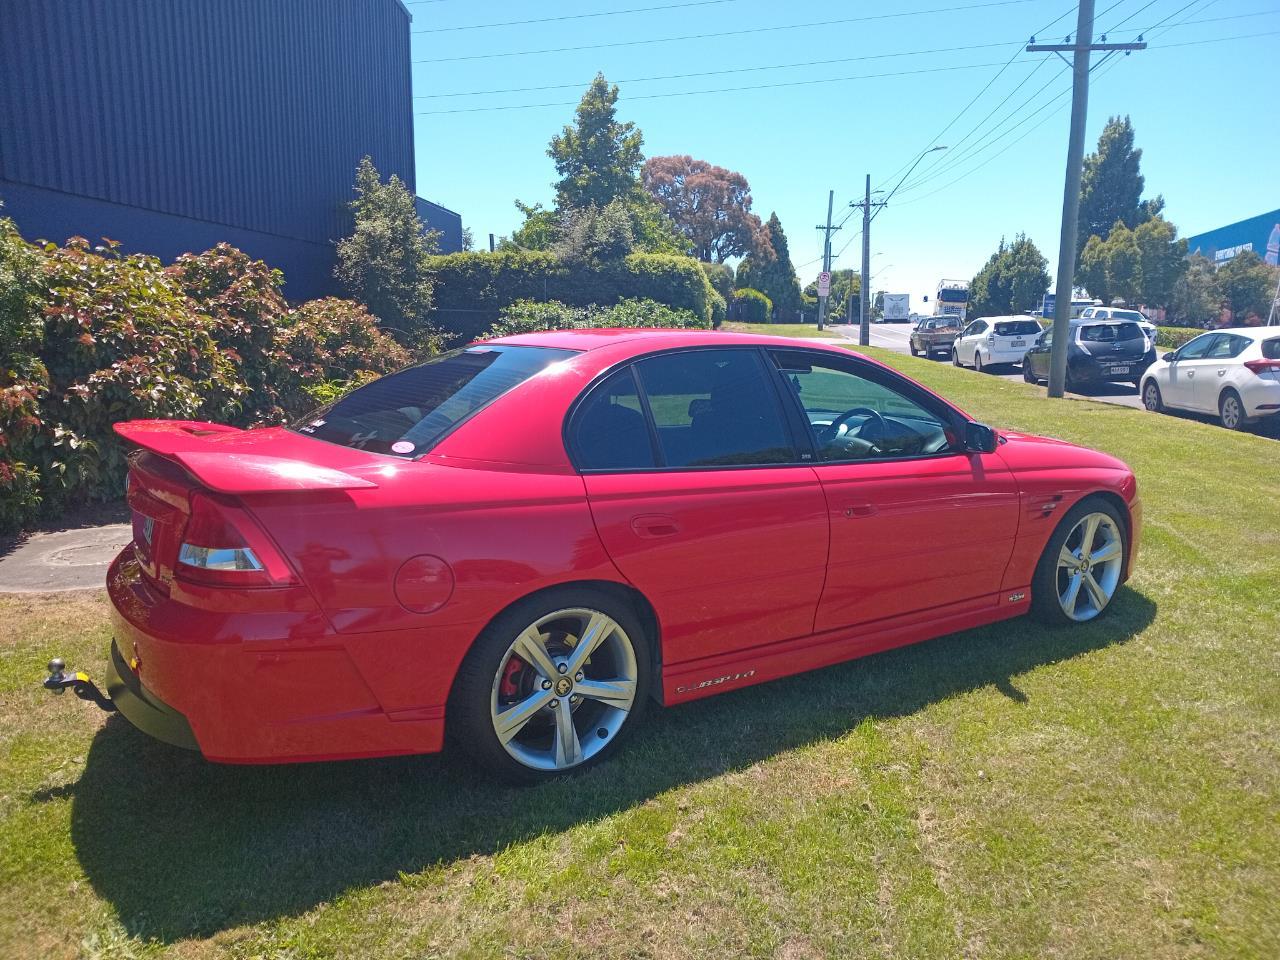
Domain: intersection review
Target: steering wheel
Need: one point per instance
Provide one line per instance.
(832, 432)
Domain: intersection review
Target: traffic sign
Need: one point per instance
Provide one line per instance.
(824, 284)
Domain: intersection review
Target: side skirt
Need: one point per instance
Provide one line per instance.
(695, 679)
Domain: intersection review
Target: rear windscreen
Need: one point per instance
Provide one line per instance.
(1017, 328)
(1109, 332)
(405, 413)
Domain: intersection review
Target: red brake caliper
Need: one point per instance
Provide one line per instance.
(510, 686)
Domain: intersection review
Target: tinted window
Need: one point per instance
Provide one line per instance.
(405, 413)
(1197, 348)
(1017, 328)
(854, 417)
(1126, 315)
(715, 408)
(1271, 349)
(609, 431)
(1109, 332)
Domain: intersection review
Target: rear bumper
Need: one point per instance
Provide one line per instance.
(143, 708)
(1087, 369)
(251, 685)
(1262, 399)
(1007, 356)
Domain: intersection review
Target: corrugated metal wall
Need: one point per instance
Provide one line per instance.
(250, 113)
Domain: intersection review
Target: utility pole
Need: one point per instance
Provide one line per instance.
(864, 282)
(826, 257)
(1082, 50)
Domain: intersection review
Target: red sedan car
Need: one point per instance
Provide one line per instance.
(521, 542)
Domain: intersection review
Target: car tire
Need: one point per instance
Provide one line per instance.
(977, 361)
(955, 357)
(1151, 398)
(1231, 410)
(1028, 376)
(1052, 583)
(533, 752)
(912, 346)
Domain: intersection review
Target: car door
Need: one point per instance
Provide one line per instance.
(1188, 362)
(1038, 356)
(1214, 372)
(702, 499)
(916, 523)
(969, 340)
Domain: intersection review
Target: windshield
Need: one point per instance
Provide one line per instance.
(405, 413)
(1126, 315)
(1017, 328)
(1109, 332)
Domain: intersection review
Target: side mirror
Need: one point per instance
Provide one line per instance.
(1171, 356)
(979, 438)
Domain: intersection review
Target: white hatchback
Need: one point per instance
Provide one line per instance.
(994, 340)
(1234, 373)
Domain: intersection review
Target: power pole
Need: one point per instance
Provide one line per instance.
(826, 257)
(1082, 50)
(864, 282)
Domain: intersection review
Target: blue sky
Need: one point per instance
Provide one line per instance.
(1204, 112)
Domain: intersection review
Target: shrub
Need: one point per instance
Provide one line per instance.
(333, 346)
(528, 316)
(472, 289)
(720, 276)
(751, 306)
(122, 341)
(245, 310)
(23, 378)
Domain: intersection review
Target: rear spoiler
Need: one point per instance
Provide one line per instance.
(219, 457)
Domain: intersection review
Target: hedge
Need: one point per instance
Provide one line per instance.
(751, 306)
(471, 289)
(528, 316)
(1174, 337)
(92, 337)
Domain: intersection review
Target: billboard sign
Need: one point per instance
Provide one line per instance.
(897, 306)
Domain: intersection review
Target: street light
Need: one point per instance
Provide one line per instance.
(864, 331)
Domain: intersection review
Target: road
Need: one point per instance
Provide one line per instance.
(895, 337)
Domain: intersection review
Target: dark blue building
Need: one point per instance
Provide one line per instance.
(171, 125)
(1261, 234)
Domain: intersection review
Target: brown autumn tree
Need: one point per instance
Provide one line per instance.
(709, 204)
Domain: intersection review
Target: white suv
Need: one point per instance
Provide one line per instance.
(1120, 313)
(1233, 373)
(994, 340)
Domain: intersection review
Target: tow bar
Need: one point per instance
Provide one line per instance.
(81, 685)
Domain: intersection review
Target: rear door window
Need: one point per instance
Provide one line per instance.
(1226, 346)
(609, 431)
(715, 408)
(405, 413)
(1271, 349)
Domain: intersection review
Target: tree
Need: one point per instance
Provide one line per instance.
(768, 268)
(1139, 266)
(1245, 285)
(1013, 280)
(710, 205)
(383, 263)
(1195, 294)
(1112, 184)
(1162, 259)
(593, 235)
(597, 157)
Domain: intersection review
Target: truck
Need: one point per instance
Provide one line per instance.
(934, 335)
(952, 300)
(897, 308)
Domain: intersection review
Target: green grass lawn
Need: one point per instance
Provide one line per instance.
(782, 329)
(1110, 791)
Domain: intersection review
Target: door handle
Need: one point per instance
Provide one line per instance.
(651, 526)
(852, 510)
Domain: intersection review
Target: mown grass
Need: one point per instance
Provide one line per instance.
(782, 329)
(1108, 791)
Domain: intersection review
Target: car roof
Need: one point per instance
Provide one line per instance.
(1253, 333)
(636, 340)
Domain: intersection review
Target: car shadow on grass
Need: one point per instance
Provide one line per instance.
(181, 848)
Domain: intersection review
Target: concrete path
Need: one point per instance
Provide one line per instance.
(63, 560)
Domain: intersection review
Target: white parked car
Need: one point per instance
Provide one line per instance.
(1234, 373)
(994, 340)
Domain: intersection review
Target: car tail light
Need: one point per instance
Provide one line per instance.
(223, 546)
(1263, 366)
(991, 339)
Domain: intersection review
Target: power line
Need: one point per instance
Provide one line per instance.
(730, 33)
(578, 85)
(695, 93)
(574, 16)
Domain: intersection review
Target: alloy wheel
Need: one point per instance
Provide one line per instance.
(1230, 412)
(1089, 566)
(564, 688)
(1151, 396)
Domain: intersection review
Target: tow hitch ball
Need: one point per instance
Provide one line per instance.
(60, 679)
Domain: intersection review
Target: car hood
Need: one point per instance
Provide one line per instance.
(1025, 451)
